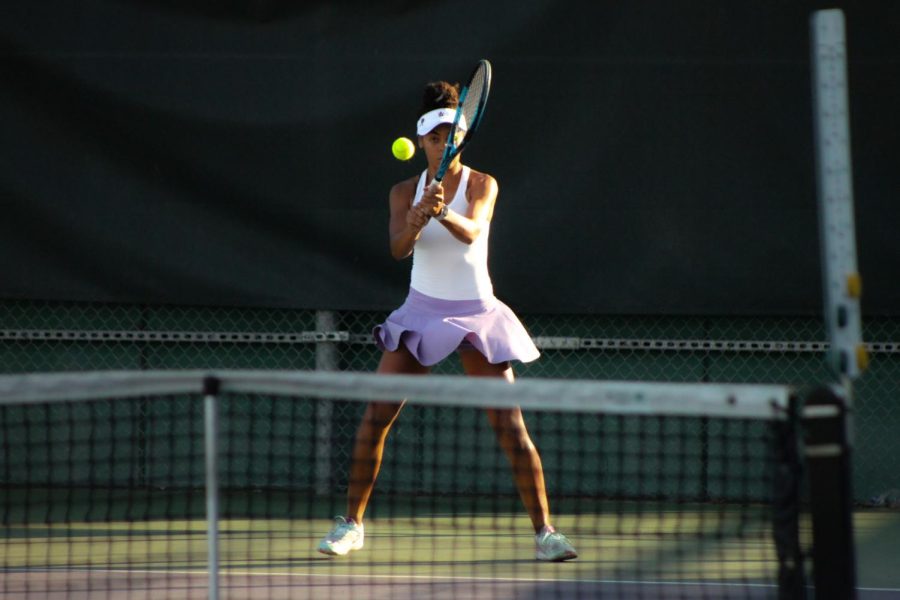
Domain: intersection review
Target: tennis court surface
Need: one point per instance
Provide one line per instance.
(666, 490)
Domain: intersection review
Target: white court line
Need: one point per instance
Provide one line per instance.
(295, 574)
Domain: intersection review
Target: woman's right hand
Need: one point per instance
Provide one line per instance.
(417, 217)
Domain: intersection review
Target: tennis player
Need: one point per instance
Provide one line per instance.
(450, 308)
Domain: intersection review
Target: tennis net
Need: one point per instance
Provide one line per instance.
(191, 484)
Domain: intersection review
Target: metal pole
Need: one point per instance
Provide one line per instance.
(842, 284)
(211, 437)
(326, 360)
(326, 352)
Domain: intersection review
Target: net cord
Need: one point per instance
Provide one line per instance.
(768, 402)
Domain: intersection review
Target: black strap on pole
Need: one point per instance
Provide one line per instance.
(787, 483)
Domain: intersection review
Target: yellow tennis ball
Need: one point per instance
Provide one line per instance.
(403, 148)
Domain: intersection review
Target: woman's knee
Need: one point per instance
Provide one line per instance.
(377, 420)
(510, 428)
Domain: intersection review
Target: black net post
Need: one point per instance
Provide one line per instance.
(831, 500)
(786, 507)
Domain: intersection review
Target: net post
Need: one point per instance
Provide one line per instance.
(786, 504)
(326, 360)
(827, 448)
(211, 439)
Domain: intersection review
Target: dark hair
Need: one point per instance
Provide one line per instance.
(439, 94)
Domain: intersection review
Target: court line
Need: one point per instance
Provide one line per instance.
(256, 573)
(295, 574)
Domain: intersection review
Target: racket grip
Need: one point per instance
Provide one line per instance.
(434, 183)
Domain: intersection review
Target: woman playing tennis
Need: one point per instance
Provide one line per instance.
(450, 308)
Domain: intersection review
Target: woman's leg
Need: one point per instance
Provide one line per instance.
(513, 436)
(372, 433)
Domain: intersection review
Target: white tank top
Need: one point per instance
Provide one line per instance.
(444, 267)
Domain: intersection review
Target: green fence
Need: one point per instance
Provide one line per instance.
(53, 336)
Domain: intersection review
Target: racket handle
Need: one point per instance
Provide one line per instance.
(434, 183)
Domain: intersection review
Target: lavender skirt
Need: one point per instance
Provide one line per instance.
(432, 329)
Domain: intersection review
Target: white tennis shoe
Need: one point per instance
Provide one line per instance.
(346, 535)
(553, 546)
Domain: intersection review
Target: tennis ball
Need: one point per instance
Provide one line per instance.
(403, 148)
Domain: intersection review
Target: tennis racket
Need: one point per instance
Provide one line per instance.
(472, 101)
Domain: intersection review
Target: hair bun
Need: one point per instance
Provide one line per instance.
(439, 94)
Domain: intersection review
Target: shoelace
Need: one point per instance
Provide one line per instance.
(553, 537)
(341, 528)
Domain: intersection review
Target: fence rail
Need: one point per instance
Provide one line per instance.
(316, 337)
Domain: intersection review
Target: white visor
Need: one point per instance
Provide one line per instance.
(436, 117)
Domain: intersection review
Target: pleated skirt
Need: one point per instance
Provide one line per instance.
(433, 328)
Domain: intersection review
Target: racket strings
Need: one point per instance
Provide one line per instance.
(473, 100)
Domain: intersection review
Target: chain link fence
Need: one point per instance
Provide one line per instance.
(56, 336)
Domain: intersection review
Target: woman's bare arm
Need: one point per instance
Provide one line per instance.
(406, 221)
(481, 194)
